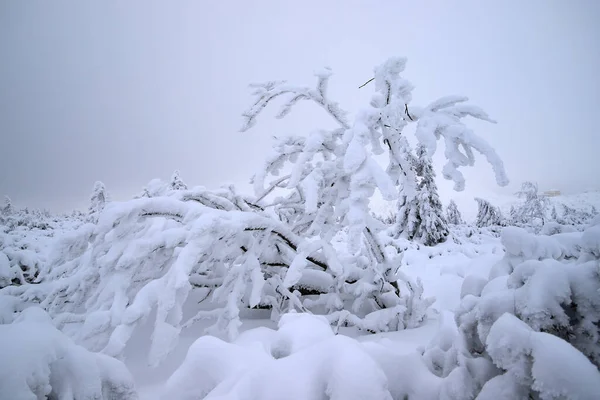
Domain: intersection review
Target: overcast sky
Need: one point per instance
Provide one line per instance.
(124, 92)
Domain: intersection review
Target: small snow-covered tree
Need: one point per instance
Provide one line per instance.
(453, 215)
(332, 177)
(176, 182)
(533, 209)
(97, 201)
(487, 214)
(7, 206)
(432, 226)
(554, 214)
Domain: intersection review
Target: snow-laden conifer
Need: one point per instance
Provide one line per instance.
(98, 201)
(487, 214)
(453, 215)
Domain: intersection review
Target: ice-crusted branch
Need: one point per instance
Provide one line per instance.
(442, 119)
(267, 92)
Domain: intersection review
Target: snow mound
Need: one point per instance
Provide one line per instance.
(38, 362)
(303, 359)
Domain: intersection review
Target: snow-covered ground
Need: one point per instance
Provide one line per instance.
(442, 269)
(344, 363)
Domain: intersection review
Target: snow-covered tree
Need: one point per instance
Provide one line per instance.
(453, 215)
(533, 209)
(432, 227)
(487, 214)
(554, 214)
(176, 182)
(306, 241)
(441, 119)
(98, 201)
(381, 125)
(7, 206)
(333, 175)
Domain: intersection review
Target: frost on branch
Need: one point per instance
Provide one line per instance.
(266, 92)
(442, 119)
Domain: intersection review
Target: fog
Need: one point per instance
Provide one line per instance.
(124, 92)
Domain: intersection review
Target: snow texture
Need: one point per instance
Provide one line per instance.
(38, 361)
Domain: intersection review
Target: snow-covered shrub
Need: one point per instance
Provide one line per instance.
(40, 362)
(533, 328)
(578, 217)
(152, 252)
(536, 364)
(552, 228)
(24, 237)
(12, 219)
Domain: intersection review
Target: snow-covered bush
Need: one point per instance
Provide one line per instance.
(552, 228)
(39, 362)
(24, 237)
(533, 329)
(151, 252)
(578, 217)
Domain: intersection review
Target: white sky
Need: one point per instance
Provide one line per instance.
(124, 92)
